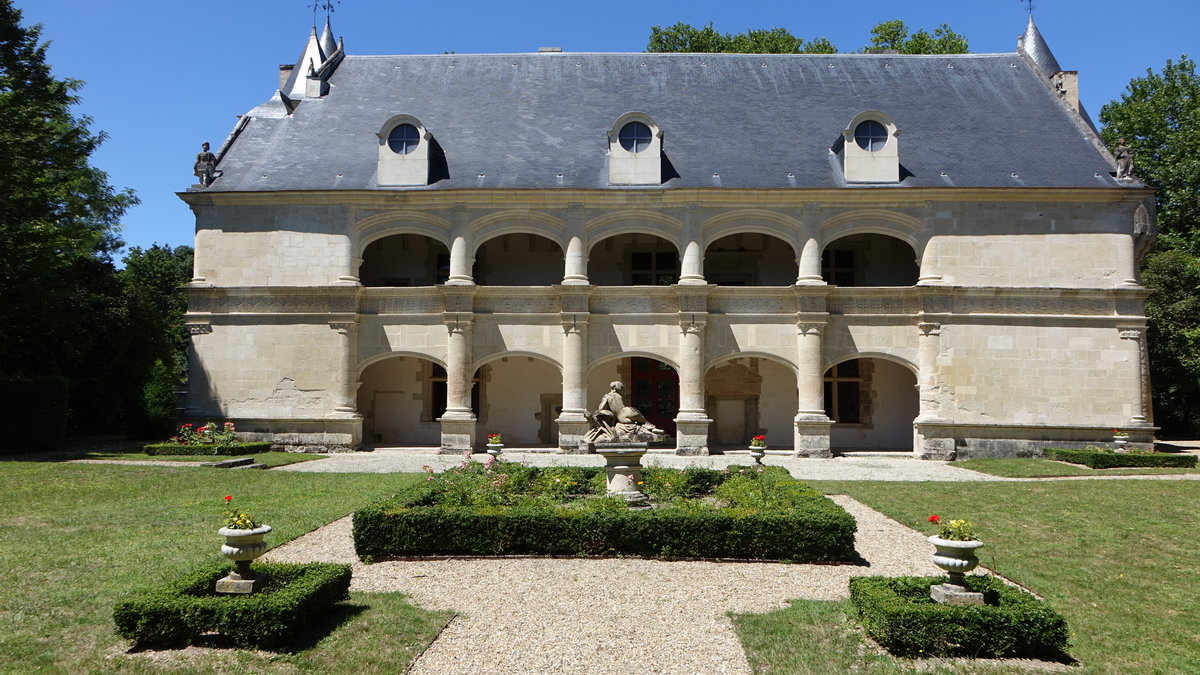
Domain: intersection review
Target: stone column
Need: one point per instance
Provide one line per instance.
(933, 438)
(572, 424)
(809, 261)
(691, 268)
(811, 436)
(345, 396)
(458, 422)
(575, 260)
(461, 257)
(692, 422)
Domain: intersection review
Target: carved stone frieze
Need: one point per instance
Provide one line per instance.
(811, 303)
(517, 304)
(1016, 304)
(403, 304)
(873, 304)
(633, 304)
(198, 328)
(1131, 333)
(750, 304)
(269, 302)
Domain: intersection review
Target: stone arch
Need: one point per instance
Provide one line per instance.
(874, 402)
(521, 397)
(749, 256)
(634, 222)
(748, 394)
(765, 356)
(396, 398)
(874, 221)
(383, 356)
(884, 356)
(382, 225)
(629, 354)
(496, 356)
(500, 223)
(865, 256)
(623, 263)
(756, 221)
(519, 256)
(404, 258)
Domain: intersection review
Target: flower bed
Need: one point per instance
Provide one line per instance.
(899, 614)
(1100, 458)
(503, 508)
(291, 597)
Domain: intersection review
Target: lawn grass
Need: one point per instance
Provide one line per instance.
(1045, 468)
(1116, 558)
(77, 538)
(271, 459)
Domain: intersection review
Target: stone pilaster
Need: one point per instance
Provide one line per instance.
(932, 438)
(1134, 337)
(346, 395)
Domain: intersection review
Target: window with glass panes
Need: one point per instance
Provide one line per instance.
(843, 393)
(837, 267)
(654, 268)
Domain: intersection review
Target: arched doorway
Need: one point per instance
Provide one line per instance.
(873, 403)
(748, 396)
(869, 260)
(750, 259)
(404, 260)
(401, 398)
(519, 259)
(633, 260)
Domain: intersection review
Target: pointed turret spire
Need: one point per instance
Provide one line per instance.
(1034, 46)
(310, 59)
(327, 43)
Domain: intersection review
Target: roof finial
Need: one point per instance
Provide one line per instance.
(326, 5)
(1029, 4)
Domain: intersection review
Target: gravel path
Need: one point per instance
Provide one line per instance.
(616, 615)
(874, 467)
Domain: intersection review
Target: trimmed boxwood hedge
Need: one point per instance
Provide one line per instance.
(1100, 459)
(811, 529)
(899, 614)
(206, 449)
(292, 597)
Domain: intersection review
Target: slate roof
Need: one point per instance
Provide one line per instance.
(757, 121)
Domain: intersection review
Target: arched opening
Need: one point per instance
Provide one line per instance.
(873, 403)
(523, 397)
(651, 386)
(633, 260)
(401, 399)
(750, 259)
(519, 259)
(869, 259)
(748, 396)
(405, 260)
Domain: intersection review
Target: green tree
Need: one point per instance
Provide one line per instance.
(894, 35)
(1157, 116)
(683, 37)
(60, 303)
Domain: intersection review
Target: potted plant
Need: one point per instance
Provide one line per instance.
(758, 448)
(956, 544)
(495, 444)
(245, 540)
(1121, 440)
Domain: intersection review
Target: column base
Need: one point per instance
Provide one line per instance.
(934, 441)
(459, 280)
(575, 280)
(458, 432)
(810, 281)
(691, 434)
(811, 436)
(572, 427)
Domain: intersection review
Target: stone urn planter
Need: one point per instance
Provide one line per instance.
(494, 449)
(242, 547)
(1121, 444)
(956, 558)
(758, 452)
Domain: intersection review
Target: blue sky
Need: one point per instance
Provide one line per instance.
(162, 76)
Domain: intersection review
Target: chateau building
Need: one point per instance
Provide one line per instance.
(926, 254)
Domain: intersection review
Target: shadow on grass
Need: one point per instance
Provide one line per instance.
(337, 616)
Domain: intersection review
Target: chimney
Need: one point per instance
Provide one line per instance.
(285, 71)
(1066, 83)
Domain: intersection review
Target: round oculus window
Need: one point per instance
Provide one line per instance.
(871, 135)
(404, 139)
(635, 137)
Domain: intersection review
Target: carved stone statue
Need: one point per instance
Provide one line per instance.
(615, 422)
(206, 166)
(1124, 161)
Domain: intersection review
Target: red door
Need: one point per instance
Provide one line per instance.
(654, 391)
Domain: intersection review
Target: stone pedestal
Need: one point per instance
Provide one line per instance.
(811, 437)
(950, 594)
(458, 433)
(242, 547)
(623, 464)
(572, 427)
(691, 434)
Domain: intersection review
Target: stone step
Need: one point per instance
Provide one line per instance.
(230, 463)
(250, 466)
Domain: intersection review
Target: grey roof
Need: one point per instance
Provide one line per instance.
(1035, 47)
(757, 121)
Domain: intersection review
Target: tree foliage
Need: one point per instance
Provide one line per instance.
(1157, 116)
(890, 35)
(894, 35)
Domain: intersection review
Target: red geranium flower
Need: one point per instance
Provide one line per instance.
(228, 498)
(935, 519)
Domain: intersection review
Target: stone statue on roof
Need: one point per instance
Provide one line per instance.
(205, 167)
(1124, 157)
(615, 422)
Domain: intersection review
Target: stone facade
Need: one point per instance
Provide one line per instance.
(945, 321)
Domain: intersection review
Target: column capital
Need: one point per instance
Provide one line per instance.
(198, 328)
(458, 324)
(810, 327)
(1129, 333)
(693, 323)
(343, 325)
(928, 328)
(574, 323)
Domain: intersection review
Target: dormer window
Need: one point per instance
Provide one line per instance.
(635, 151)
(871, 149)
(404, 145)
(404, 139)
